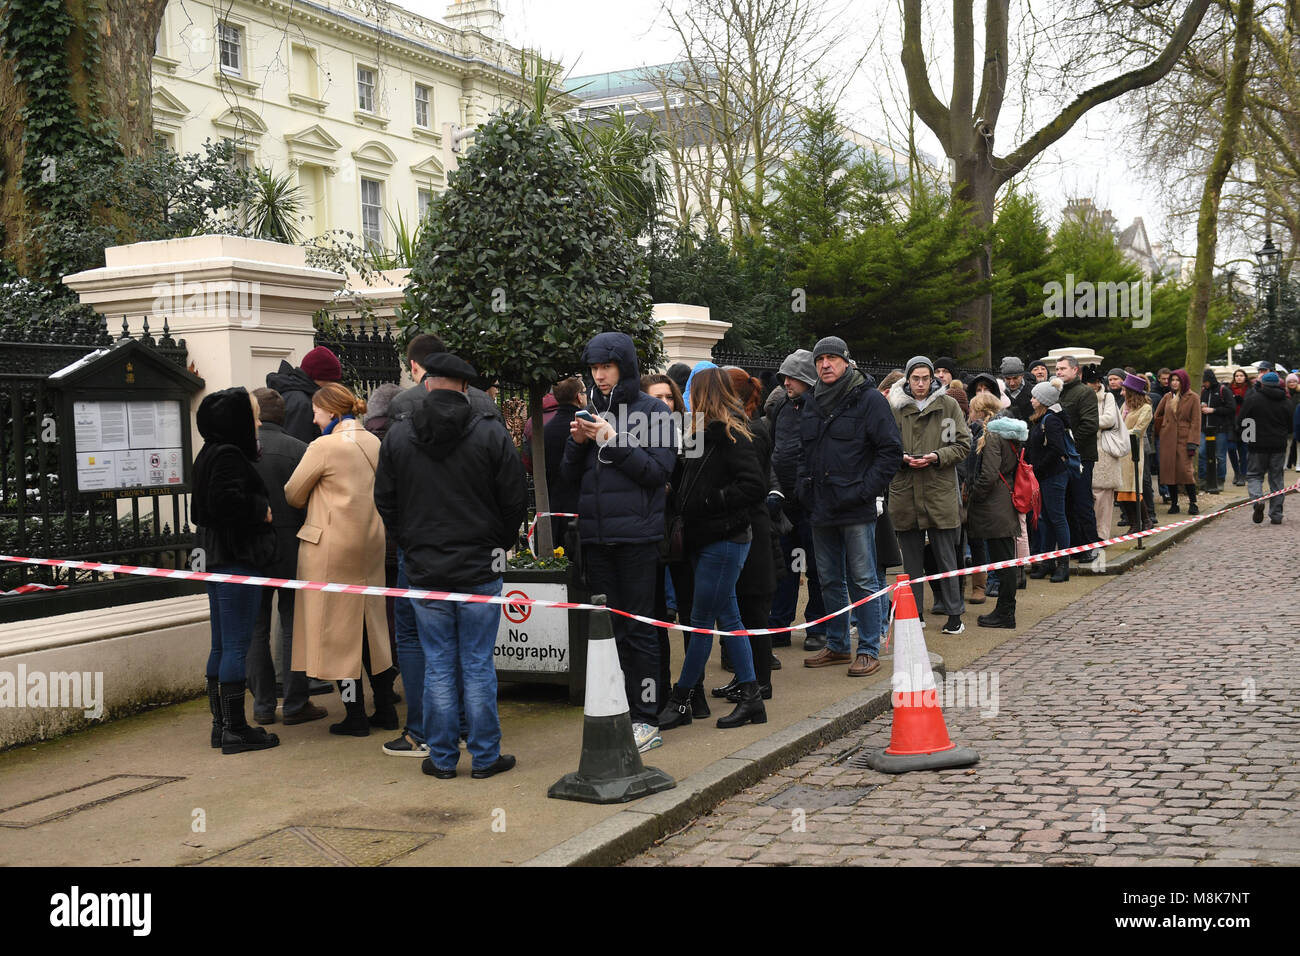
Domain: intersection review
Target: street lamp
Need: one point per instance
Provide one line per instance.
(1269, 258)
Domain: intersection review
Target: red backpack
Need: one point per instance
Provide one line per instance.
(1026, 497)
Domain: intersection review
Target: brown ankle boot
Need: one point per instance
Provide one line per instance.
(978, 580)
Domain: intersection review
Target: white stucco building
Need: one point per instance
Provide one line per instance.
(355, 97)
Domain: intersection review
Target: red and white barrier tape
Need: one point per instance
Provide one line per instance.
(545, 514)
(422, 595)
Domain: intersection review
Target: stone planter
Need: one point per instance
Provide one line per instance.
(543, 645)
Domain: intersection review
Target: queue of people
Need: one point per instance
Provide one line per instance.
(714, 514)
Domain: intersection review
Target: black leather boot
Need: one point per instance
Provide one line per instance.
(699, 702)
(381, 686)
(1040, 570)
(236, 735)
(750, 710)
(214, 704)
(355, 723)
(764, 690)
(726, 690)
(1062, 572)
(677, 712)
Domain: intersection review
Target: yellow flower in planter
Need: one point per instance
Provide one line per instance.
(559, 552)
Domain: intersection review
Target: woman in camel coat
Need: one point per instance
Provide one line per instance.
(1178, 426)
(1137, 416)
(342, 541)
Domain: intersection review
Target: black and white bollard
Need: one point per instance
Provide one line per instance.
(610, 769)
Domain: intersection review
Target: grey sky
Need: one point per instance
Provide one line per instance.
(594, 36)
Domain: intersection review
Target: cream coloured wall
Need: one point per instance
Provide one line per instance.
(293, 103)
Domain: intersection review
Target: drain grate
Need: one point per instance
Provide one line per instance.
(803, 797)
(323, 846)
(64, 803)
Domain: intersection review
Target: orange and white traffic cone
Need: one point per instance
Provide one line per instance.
(919, 740)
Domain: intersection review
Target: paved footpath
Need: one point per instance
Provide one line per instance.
(1133, 728)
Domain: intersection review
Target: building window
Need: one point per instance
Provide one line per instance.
(365, 89)
(421, 105)
(372, 211)
(423, 197)
(231, 40)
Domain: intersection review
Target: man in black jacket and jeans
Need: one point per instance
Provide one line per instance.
(851, 449)
(799, 378)
(454, 539)
(1265, 425)
(621, 493)
(281, 453)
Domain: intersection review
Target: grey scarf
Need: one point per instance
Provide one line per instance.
(828, 396)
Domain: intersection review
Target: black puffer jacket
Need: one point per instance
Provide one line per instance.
(787, 446)
(450, 488)
(849, 456)
(1045, 450)
(296, 388)
(1222, 401)
(408, 400)
(621, 485)
(717, 490)
(1264, 413)
(230, 500)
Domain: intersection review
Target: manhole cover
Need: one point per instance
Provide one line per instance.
(64, 803)
(323, 846)
(803, 797)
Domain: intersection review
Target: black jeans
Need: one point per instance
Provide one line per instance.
(625, 574)
(1079, 513)
(1004, 549)
(261, 668)
(754, 612)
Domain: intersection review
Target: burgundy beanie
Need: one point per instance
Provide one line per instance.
(322, 365)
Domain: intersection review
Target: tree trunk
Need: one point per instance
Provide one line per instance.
(977, 185)
(543, 546)
(118, 89)
(1207, 223)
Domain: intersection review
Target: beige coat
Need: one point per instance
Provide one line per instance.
(1108, 471)
(1137, 422)
(341, 541)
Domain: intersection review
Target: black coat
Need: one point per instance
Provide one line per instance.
(758, 573)
(787, 446)
(296, 387)
(849, 456)
(280, 456)
(1265, 409)
(1224, 404)
(555, 435)
(621, 487)
(1045, 450)
(450, 488)
(718, 489)
(230, 500)
(1020, 407)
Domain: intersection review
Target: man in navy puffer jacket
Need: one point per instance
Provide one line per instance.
(621, 467)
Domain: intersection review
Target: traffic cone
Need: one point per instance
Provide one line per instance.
(919, 740)
(610, 769)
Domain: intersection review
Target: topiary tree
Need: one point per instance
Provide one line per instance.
(520, 262)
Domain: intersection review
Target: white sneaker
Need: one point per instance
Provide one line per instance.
(647, 737)
(958, 628)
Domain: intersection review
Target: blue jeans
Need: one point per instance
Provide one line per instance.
(1053, 529)
(232, 609)
(410, 655)
(846, 563)
(717, 566)
(1220, 455)
(459, 642)
(1260, 464)
(785, 602)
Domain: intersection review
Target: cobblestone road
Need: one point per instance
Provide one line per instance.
(1155, 722)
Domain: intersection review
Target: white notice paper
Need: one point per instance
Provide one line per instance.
(96, 471)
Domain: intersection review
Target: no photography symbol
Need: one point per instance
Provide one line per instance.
(517, 613)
